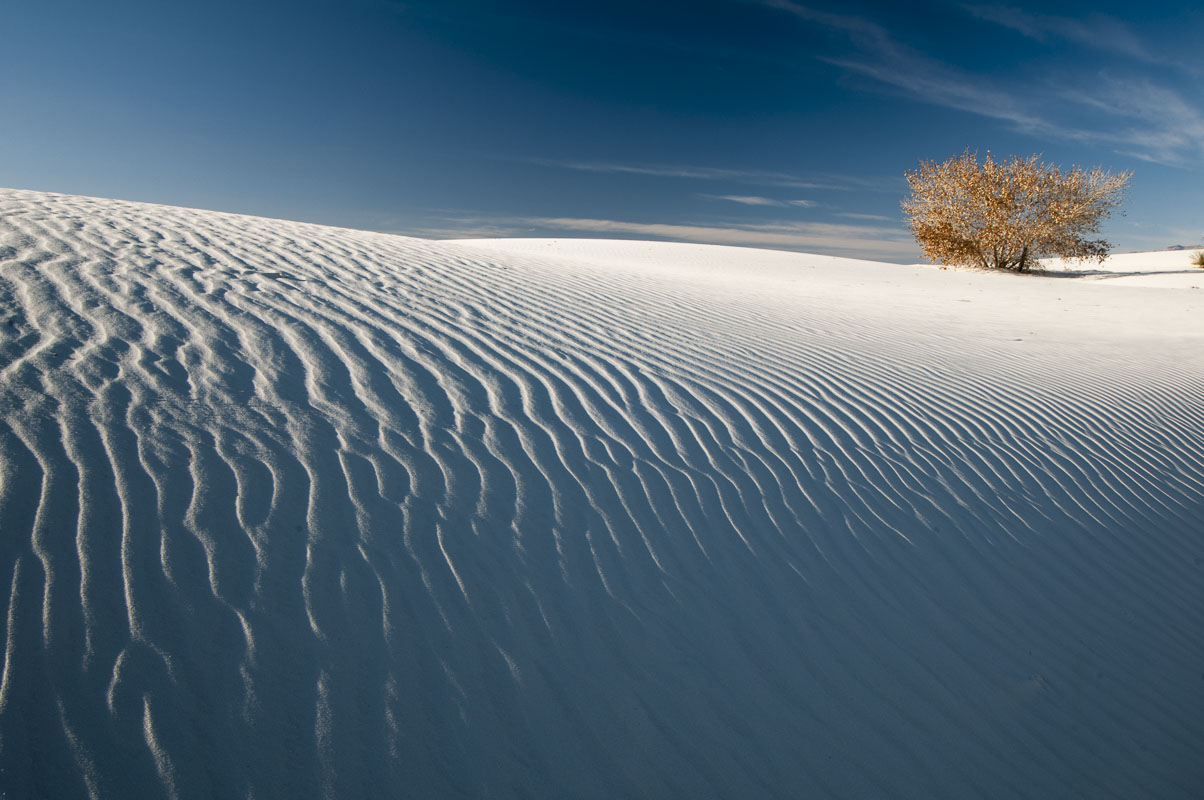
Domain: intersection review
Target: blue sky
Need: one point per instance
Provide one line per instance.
(755, 122)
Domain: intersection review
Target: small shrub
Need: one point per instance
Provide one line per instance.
(1007, 214)
(1198, 259)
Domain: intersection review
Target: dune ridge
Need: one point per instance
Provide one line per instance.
(291, 511)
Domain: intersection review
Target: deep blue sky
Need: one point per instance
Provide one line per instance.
(763, 122)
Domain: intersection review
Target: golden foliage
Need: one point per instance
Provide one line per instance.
(1007, 214)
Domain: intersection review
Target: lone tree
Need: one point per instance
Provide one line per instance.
(1007, 214)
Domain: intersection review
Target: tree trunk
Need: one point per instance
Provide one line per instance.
(1023, 266)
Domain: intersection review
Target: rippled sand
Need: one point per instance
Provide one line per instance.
(291, 511)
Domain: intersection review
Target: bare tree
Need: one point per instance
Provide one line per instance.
(1007, 214)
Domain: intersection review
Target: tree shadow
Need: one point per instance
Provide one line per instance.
(1105, 274)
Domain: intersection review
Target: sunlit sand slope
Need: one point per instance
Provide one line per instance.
(293, 511)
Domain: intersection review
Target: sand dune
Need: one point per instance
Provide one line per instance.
(295, 511)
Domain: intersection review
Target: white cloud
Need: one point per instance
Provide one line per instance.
(863, 241)
(813, 237)
(754, 200)
(858, 27)
(1098, 31)
(853, 215)
(1150, 121)
(746, 200)
(1163, 126)
(752, 177)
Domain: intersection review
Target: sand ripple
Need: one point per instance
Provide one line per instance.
(292, 511)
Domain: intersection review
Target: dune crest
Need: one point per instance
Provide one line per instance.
(291, 511)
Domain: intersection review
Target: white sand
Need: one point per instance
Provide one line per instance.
(1170, 269)
(290, 511)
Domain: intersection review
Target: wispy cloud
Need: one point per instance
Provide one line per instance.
(1097, 31)
(750, 177)
(1163, 126)
(940, 84)
(745, 200)
(754, 200)
(862, 29)
(853, 215)
(859, 241)
(878, 56)
(1153, 122)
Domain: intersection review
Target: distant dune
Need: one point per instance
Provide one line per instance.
(291, 511)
